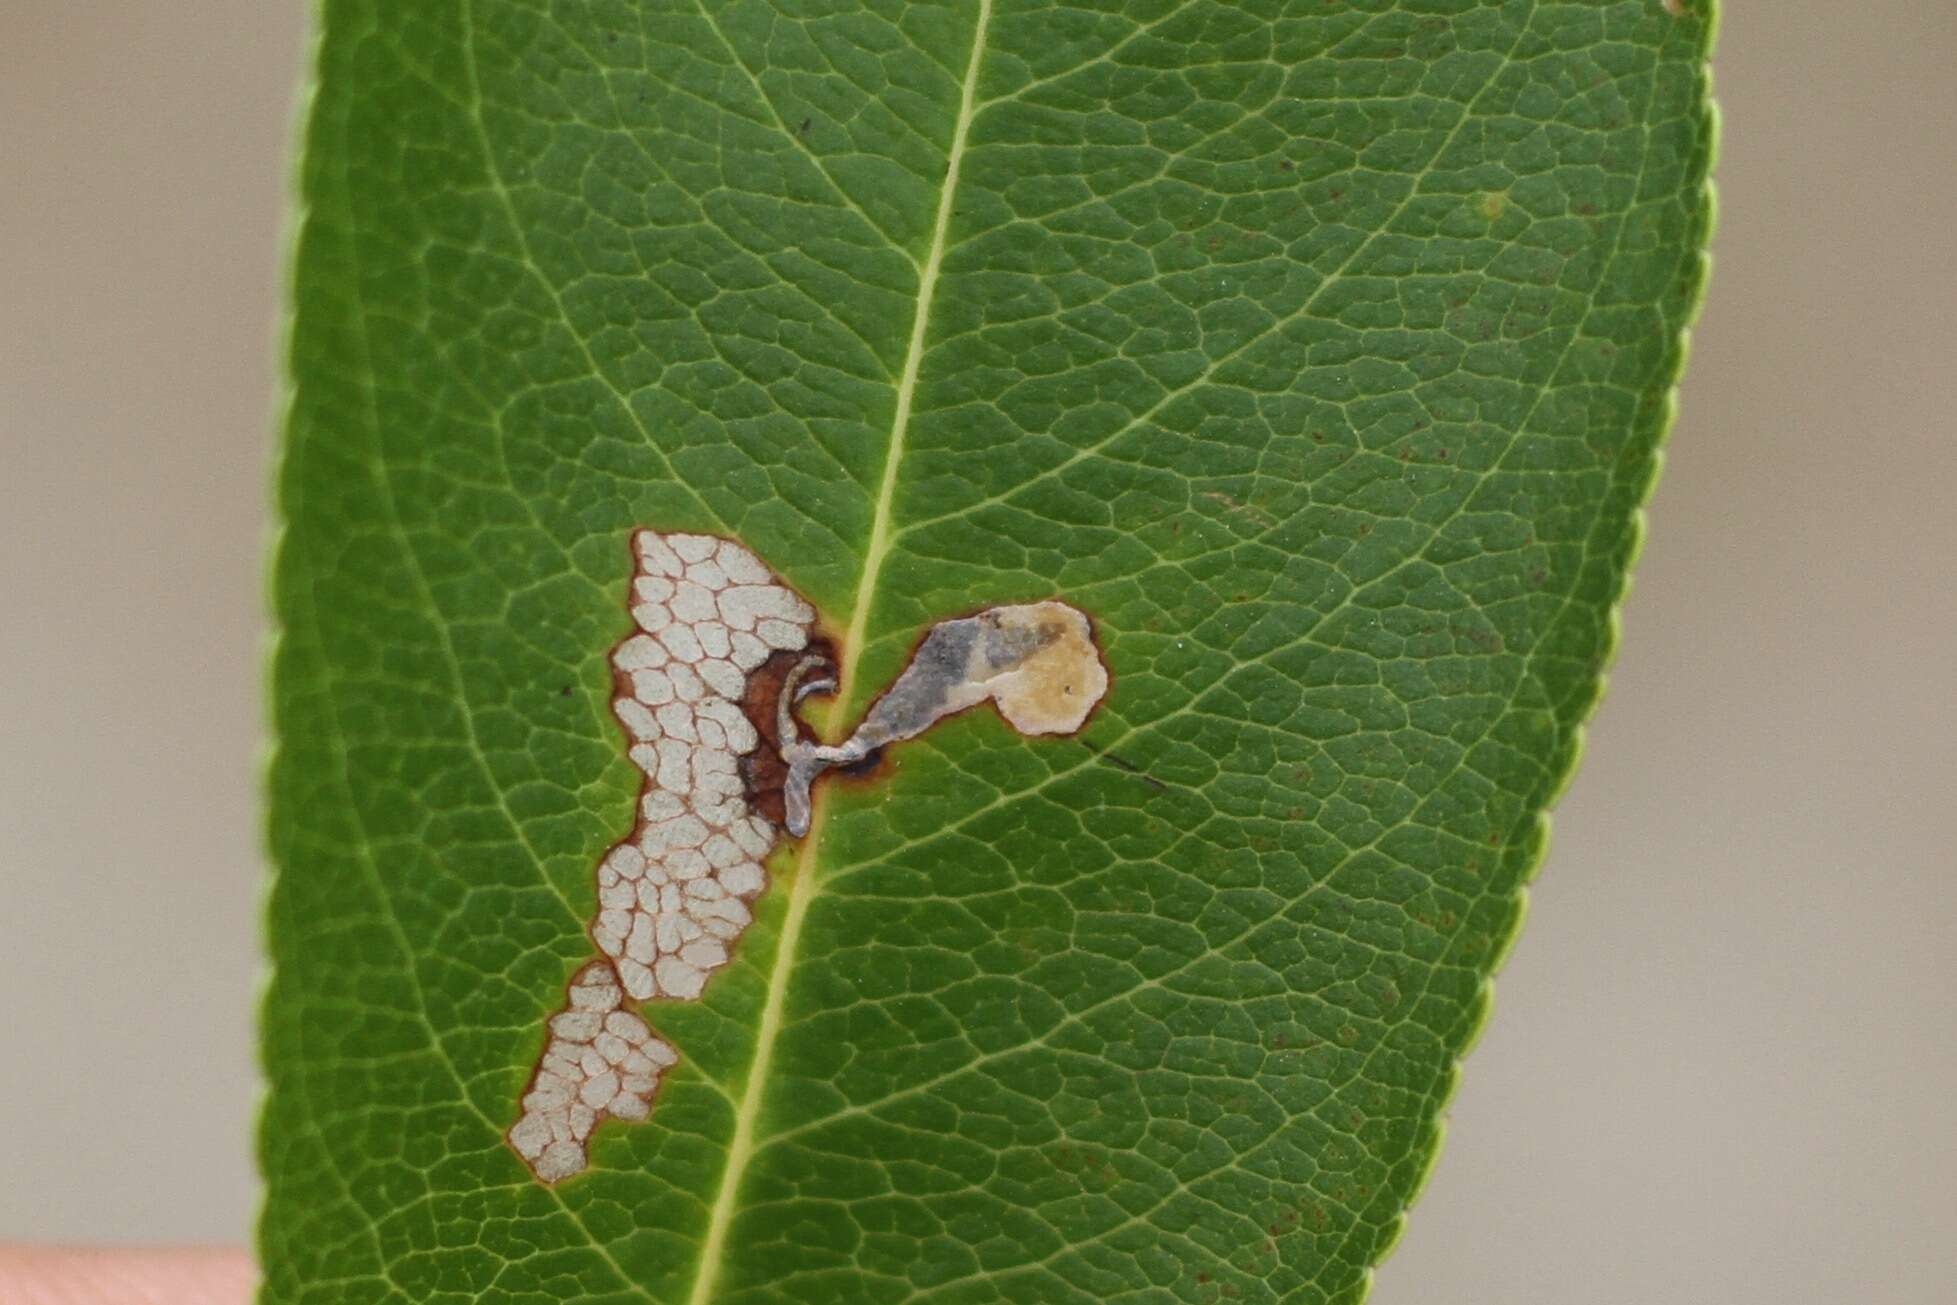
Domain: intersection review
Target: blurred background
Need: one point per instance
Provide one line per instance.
(1723, 1053)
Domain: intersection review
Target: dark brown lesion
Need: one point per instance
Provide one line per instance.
(764, 771)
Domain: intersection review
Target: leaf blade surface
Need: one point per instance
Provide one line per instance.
(1322, 356)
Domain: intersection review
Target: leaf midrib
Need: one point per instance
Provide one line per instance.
(802, 888)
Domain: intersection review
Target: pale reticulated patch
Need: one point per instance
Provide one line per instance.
(601, 1062)
(673, 896)
(706, 690)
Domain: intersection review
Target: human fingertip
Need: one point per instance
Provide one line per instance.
(78, 1275)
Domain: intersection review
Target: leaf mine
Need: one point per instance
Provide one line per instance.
(601, 1062)
(1036, 663)
(672, 896)
(706, 689)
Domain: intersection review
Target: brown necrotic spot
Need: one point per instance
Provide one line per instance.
(1059, 678)
(764, 771)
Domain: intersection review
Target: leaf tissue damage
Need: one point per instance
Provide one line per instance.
(706, 690)
(1321, 352)
(1037, 663)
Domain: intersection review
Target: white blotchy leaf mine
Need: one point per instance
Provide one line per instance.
(674, 896)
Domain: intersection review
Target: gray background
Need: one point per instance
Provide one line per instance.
(1723, 1051)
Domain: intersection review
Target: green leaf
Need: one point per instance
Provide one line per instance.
(1320, 351)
